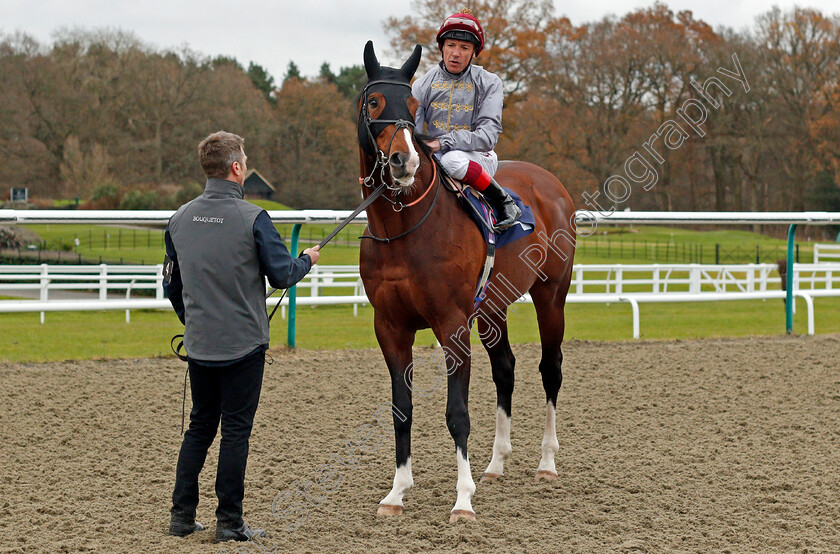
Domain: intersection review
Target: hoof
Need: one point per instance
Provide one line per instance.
(545, 474)
(490, 477)
(461, 514)
(389, 510)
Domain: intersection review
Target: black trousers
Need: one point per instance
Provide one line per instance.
(230, 393)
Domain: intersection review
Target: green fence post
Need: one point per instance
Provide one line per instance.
(293, 290)
(789, 281)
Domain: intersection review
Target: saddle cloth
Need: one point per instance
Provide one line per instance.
(522, 228)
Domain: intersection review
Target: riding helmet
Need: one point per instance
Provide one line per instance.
(462, 26)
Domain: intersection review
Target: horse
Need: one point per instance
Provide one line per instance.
(420, 263)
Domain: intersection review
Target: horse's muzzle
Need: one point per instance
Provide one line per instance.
(402, 170)
(398, 161)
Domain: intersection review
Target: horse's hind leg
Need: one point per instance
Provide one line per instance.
(494, 334)
(396, 346)
(549, 301)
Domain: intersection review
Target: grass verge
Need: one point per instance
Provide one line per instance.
(612, 244)
(90, 335)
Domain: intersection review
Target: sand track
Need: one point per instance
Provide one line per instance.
(690, 446)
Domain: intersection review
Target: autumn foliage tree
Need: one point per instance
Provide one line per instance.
(101, 108)
(314, 152)
(515, 31)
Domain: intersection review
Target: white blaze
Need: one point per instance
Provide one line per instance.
(413, 158)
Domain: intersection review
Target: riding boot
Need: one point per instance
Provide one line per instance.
(501, 200)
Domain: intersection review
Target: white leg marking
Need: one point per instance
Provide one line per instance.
(550, 446)
(466, 485)
(403, 481)
(501, 445)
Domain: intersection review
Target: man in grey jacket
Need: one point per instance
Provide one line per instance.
(460, 105)
(219, 251)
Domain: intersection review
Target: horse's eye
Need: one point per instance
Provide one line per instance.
(373, 103)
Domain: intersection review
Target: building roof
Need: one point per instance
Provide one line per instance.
(254, 178)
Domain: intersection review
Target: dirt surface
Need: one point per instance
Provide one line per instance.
(689, 446)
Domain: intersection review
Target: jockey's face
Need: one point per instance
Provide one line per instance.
(457, 54)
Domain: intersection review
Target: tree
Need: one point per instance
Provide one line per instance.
(81, 172)
(350, 80)
(292, 72)
(220, 61)
(262, 81)
(515, 32)
(101, 105)
(325, 74)
(26, 160)
(315, 150)
(589, 98)
(799, 51)
(72, 89)
(168, 91)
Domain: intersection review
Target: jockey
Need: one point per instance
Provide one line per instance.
(461, 107)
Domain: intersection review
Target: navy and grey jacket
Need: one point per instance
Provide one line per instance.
(222, 248)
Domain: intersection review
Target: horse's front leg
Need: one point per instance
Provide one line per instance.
(455, 341)
(396, 343)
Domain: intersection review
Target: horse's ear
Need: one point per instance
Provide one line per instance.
(371, 63)
(410, 66)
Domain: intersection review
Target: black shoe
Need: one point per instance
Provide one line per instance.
(243, 533)
(505, 204)
(182, 529)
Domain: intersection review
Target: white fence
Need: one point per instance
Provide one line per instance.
(826, 253)
(325, 285)
(697, 278)
(103, 280)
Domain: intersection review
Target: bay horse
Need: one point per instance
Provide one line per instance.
(420, 263)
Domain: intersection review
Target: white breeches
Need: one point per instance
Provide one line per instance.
(455, 162)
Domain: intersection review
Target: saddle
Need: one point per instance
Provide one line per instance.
(484, 214)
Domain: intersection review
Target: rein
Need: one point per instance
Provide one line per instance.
(382, 164)
(183, 357)
(417, 225)
(367, 202)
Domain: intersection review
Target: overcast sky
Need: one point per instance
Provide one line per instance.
(273, 32)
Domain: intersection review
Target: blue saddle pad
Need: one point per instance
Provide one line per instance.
(522, 228)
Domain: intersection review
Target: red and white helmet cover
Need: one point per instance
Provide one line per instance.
(462, 26)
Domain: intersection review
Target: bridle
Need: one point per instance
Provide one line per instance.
(381, 158)
(381, 161)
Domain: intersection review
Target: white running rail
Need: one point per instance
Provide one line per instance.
(826, 253)
(330, 285)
